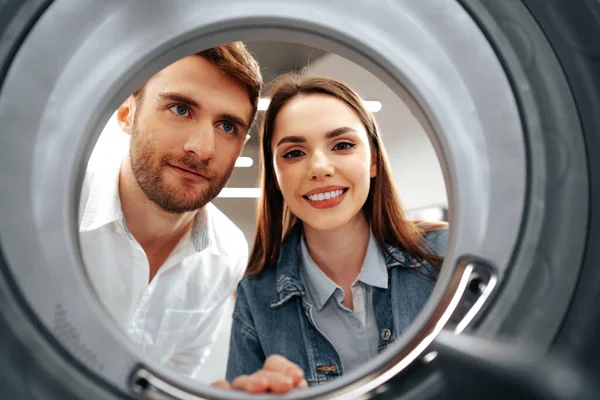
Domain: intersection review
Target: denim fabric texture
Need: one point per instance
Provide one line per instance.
(273, 314)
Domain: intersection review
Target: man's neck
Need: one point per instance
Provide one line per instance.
(152, 227)
(340, 253)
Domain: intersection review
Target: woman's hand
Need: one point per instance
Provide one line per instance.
(279, 375)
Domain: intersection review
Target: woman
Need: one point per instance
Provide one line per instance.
(337, 272)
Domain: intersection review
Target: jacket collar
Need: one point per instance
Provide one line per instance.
(287, 274)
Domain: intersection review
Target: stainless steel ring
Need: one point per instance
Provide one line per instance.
(431, 53)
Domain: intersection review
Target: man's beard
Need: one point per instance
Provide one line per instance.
(147, 168)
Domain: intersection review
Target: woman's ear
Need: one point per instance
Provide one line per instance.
(276, 182)
(125, 114)
(374, 160)
(274, 172)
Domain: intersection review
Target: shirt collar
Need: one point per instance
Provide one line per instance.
(321, 287)
(104, 207)
(203, 231)
(374, 270)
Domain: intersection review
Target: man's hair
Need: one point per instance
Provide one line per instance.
(234, 60)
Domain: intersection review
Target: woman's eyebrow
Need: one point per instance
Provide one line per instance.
(338, 132)
(291, 139)
(329, 135)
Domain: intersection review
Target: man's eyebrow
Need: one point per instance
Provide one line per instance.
(235, 119)
(178, 98)
(329, 135)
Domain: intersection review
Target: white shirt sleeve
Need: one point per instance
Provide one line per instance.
(190, 361)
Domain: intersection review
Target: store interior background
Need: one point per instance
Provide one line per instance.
(416, 169)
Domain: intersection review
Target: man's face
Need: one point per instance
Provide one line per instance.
(187, 129)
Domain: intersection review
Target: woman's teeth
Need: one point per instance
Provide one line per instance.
(326, 196)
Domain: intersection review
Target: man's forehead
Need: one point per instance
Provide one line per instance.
(192, 74)
(196, 71)
(201, 81)
(180, 72)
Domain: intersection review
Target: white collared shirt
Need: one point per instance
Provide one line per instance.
(175, 319)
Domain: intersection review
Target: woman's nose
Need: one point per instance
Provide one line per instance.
(321, 167)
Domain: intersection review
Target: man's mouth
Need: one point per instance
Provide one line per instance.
(186, 171)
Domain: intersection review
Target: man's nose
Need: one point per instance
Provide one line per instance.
(202, 142)
(321, 166)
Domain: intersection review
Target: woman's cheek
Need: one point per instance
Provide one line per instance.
(283, 181)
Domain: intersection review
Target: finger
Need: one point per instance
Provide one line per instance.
(251, 384)
(221, 384)
(281, 364)
(302, 384)
(277, 382)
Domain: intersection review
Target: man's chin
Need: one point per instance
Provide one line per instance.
(175, 198)
(179, 208)
(184, 204)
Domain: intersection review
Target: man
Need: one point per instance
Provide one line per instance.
(162, 259)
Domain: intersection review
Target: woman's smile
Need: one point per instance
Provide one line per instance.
(326, 199)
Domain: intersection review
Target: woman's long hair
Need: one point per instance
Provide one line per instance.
(382, 208)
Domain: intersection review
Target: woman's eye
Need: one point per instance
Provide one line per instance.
(293, 154)
(180, 110)
(343, 146)
(227, 127)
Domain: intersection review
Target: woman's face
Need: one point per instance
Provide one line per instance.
(322, 160)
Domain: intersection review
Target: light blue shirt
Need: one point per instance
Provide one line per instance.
(354, 334)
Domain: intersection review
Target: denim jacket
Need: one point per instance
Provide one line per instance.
(273, 314)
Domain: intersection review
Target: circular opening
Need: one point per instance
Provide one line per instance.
(400, 132)
(160, 375)
(444, 87)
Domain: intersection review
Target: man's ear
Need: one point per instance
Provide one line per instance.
(125, 114)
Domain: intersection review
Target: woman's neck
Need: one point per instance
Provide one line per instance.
(340, 252)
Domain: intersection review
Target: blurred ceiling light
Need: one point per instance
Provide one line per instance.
(244, 162)
(427, 214)
(372, 105)
(263, 104)
(240, 193)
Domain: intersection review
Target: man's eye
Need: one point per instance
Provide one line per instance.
(293, 154)
(343, 146)
(227, 127)
(180, 110)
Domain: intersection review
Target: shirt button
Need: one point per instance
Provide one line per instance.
(386, 334)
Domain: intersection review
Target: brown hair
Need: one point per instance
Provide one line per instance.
(382, 208)
(234, 60)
